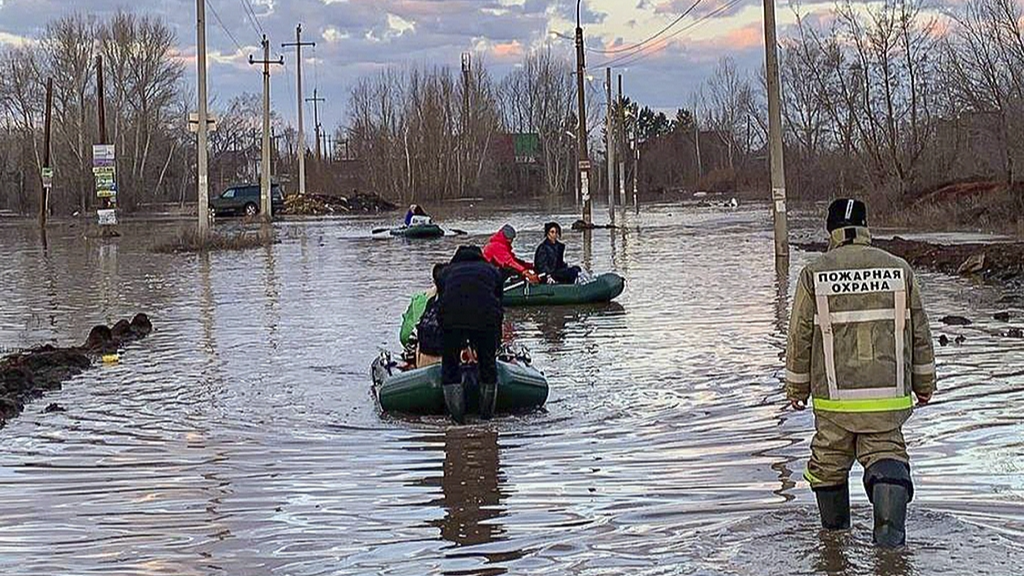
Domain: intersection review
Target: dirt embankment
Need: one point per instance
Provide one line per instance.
(963, 205)
(1002, 262)
(28, 375)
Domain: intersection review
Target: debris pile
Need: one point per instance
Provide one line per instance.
(323, 204)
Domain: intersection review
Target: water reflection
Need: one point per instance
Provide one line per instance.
(471, 487)
(553, 322)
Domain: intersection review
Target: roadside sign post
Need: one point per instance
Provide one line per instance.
(105, 173)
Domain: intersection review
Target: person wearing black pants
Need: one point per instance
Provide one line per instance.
(470, 292)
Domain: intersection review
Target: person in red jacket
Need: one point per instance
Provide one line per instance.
(498, 252)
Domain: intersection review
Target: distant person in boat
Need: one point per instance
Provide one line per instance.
(549, 259)
(498, 251)
(416, 216)
(421, 325)
(470, 292)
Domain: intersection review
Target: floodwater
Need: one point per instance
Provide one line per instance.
(241, 437)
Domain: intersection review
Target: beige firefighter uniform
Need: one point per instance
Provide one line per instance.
(859, 344)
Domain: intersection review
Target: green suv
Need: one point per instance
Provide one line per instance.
(244, 200)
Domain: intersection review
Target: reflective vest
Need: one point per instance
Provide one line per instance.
(859, 340)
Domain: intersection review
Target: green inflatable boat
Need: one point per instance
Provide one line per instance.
(419, 231)
(418, 391)
(603, 288)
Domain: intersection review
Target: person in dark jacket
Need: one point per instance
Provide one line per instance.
(469, 295)
(549, 258)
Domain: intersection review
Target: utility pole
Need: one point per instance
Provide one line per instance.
(621, 140)
(464, 143)
(696, 144)
(107, 202)
(47, 175)
(298, 76)
(265, 204)
(581, 142)
(636, 172)
(203, 139)
(776, 170)
(316, 120)
(609, 143)
(100, 111)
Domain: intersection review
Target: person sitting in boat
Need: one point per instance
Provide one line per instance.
(416, 216)
(498, 252)
(549, 259)
(470, 292)
(421, 327)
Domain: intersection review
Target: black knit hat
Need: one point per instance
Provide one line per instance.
(846, 212)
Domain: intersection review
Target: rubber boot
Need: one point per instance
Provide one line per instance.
(488, 400)
(455, 402)
(889, 489)
(890, 502)
(834, 506)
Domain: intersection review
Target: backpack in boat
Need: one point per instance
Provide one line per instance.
(428, 330)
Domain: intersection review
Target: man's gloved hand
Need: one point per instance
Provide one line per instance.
(531, 277)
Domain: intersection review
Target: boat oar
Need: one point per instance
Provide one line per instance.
(458, 232)
(379, 230)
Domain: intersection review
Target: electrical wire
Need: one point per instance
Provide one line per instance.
(216, 17)
(256, 27)
(627, 59)
(640, 45)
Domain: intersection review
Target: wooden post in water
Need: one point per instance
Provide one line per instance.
(44, 198)
(609, 144)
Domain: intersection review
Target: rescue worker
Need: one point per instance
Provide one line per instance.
(469, 294)
(498, 252)
(859, 345)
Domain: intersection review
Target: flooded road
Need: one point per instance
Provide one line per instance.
(241, 436)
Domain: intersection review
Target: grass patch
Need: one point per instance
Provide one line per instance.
(189, 241)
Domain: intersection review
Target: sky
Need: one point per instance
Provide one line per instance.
(355, 38)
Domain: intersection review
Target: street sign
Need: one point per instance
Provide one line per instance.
(102, 155)
(107, 217)
(47, 175)
(103, 169)
(584, 164)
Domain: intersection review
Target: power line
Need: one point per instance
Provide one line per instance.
(247, 7)
(639, 45)
(222, 26)
(627, 59)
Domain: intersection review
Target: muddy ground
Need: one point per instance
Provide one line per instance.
(27, 375)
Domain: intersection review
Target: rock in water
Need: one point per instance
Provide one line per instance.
(955, 321)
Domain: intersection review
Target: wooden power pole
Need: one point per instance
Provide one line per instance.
(778, 176)
(266, 210)
(609, 143)
(316, 120)
(621, 142)
(47, 175)
(581, 139)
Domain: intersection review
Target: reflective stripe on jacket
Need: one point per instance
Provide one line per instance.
(859, 340)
